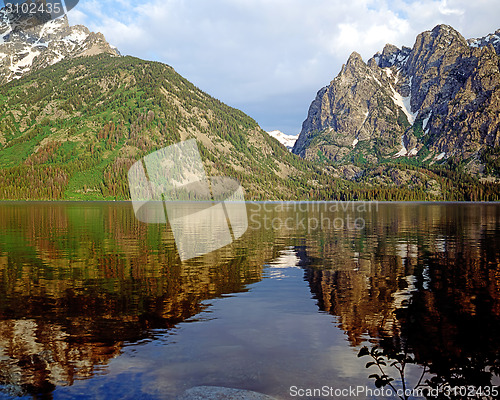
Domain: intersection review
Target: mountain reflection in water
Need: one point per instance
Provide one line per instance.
(81, 283)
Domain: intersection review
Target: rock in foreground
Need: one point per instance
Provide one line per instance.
(221, 393)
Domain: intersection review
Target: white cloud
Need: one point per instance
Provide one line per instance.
(269, 57)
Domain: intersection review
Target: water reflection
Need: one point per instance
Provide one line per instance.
(77, 281)
(432, 292)
(80, 283)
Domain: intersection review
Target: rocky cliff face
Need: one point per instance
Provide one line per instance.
(437, 100)
(33, 48)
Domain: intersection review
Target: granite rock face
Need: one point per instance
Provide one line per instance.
(437, 100)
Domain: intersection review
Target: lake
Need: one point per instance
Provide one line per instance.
(95, 304)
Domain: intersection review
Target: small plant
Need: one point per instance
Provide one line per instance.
(397, 360)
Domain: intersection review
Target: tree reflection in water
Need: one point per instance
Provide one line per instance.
(80, 282)
(439, 310)
(77, 283)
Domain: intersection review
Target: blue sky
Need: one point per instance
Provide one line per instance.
(270, 57)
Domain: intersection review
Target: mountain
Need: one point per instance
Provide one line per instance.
(436, 103)
(23, 51)
(75, 115)
(72, 130)
(286, 140)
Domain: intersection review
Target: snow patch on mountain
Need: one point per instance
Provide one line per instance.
(492, 38)
(287, 140)
(77, 37)
(404, 104)
(440, 156)
(21, 65)
(44, 45)
(401, 152)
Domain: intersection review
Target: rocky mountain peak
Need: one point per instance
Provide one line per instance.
(389, 50)
(391, 56)
(41, 45)
(433, 45)
(438, 41)
(354, 63)
(354, 59)
(446, 32)
(435, 101)
(492, 39)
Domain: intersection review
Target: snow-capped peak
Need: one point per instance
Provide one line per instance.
(287, 140)
(44, 45)
(492, 38)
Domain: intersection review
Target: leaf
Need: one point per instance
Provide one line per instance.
(363, 352)
(369, 364)
(379, 383)
(376, 376)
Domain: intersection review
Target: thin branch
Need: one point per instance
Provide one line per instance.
(383, 373)
(421, 377)
(403, 381)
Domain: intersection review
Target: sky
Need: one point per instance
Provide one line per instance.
(270, 57)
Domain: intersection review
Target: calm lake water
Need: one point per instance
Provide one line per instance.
(95, 304)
